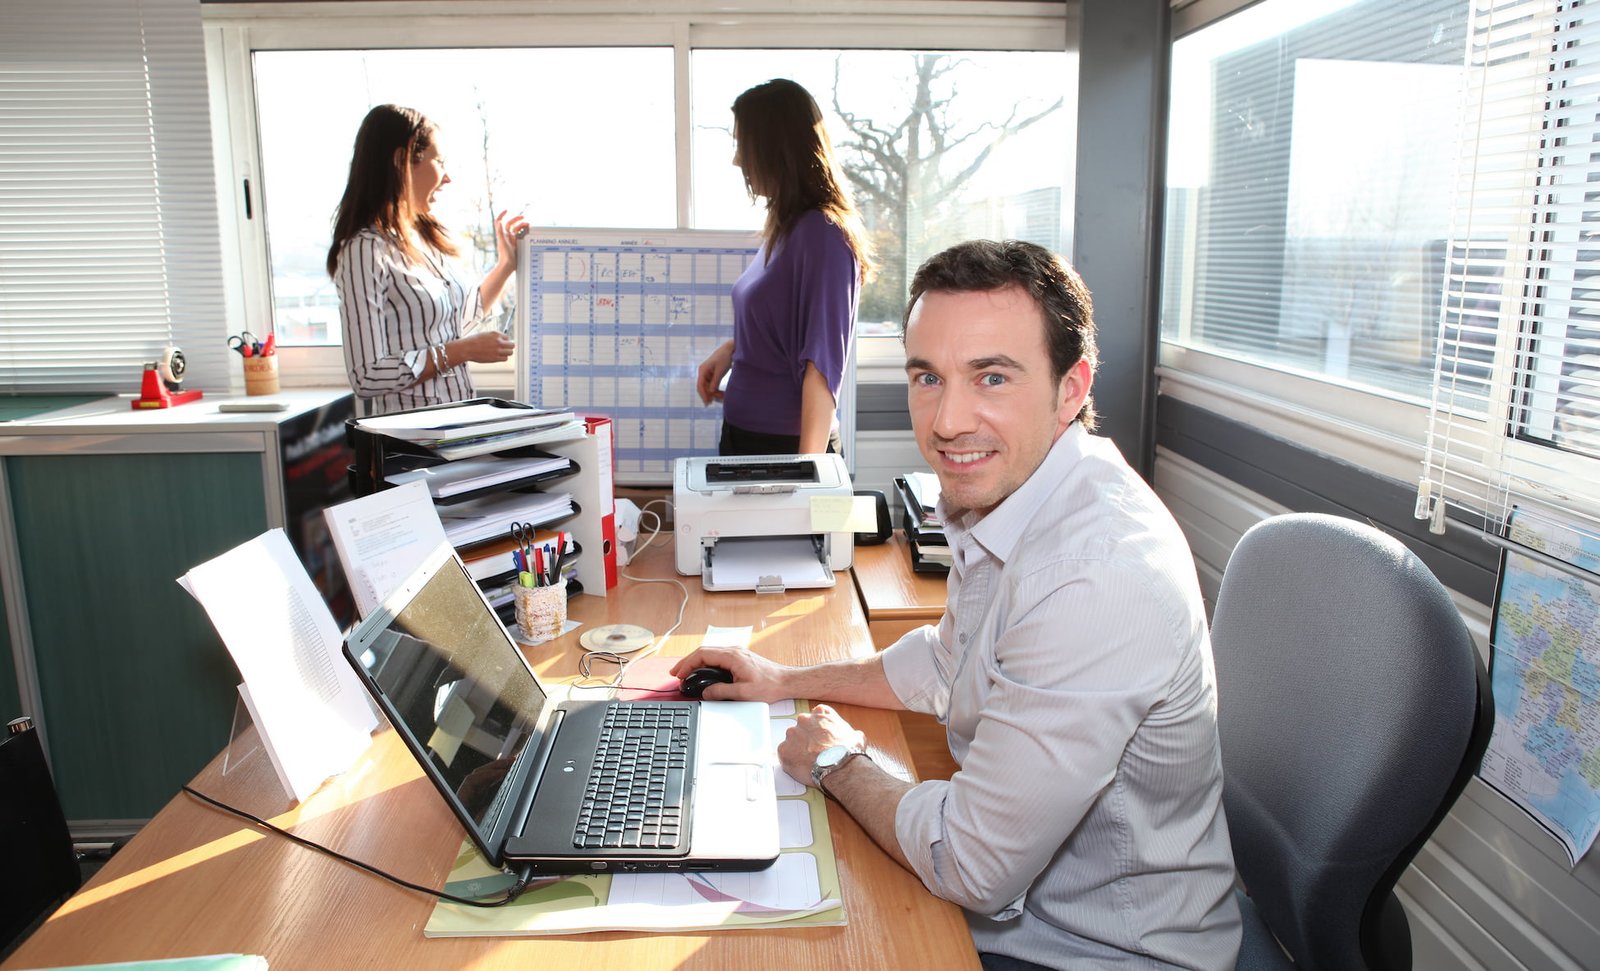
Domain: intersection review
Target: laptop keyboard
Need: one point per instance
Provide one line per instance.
(634, 797)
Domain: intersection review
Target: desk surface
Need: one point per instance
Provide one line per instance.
(891, 590)
(196, 881)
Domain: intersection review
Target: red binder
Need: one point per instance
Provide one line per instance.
(600, 427)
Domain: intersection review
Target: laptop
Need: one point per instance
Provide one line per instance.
(562, 786)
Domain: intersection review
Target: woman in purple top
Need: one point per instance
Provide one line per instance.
(794, 309)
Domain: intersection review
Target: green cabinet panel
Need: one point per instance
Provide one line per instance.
(138, 690)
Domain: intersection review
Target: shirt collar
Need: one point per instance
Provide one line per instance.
(999, 531)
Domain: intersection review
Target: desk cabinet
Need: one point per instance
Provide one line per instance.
(101, 510)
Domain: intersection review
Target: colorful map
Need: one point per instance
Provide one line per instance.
(1545, 753)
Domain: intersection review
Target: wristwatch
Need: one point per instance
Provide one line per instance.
(832, 759)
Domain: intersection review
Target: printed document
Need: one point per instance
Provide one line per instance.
(382, 539)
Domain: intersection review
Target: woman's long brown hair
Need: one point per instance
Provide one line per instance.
(378, 189)
(784, 149)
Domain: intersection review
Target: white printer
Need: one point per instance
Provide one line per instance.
(749, 522)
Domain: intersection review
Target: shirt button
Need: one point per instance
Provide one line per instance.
(962, 637)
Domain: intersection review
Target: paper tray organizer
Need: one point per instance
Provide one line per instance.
(374, 452)
(911, 523)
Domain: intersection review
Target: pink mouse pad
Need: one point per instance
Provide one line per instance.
(650, 679)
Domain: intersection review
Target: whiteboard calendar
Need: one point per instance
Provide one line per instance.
(616, 322)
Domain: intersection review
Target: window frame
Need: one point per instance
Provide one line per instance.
(233, 31)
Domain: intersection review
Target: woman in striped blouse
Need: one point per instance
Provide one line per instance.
(404, 306)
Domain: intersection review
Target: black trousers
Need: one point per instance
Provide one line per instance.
(742, 441)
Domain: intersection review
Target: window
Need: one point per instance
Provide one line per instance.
(1310, 158)
(598, 122)
(510, 138)
(936, 147)
(1390, 208)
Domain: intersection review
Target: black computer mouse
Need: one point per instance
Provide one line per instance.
(700, 679)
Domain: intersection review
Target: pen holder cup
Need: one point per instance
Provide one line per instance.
(261, 375)
(541, 612)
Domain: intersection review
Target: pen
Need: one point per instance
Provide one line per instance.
(267, 346)
(560, 554)
(538, 567)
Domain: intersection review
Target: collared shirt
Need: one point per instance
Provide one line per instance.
(1072, 670)
(393, 311)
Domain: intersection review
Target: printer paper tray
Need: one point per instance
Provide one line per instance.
(750, 563)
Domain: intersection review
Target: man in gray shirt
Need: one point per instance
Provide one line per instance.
(1072, 666)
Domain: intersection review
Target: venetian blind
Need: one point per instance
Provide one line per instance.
(1515, 419)
(108, 217)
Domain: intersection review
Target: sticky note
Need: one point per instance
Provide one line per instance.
(844, 514)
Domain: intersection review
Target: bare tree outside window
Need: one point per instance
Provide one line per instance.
(910, 171)
(937, 147)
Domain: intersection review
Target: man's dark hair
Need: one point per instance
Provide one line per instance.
(982, 265)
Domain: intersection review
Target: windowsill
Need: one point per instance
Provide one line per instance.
(1382, 434)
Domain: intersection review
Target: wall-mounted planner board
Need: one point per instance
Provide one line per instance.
(617, 321)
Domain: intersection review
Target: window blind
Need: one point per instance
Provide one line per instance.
(108, 219)
(1515, 412)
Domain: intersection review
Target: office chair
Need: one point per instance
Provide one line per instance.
(1352, 708)
(38, 867)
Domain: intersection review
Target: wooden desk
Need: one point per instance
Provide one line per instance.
(897, 599)
(197, 881)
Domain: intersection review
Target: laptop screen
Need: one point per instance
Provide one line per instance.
(453, 676)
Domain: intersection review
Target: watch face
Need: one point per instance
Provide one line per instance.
(832, 755)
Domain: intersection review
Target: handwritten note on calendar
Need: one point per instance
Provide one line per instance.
(617, 321)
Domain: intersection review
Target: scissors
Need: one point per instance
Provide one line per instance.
(523, 534)
(246, 344)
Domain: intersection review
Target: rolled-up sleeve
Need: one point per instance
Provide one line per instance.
(1077, 667)
(912, 665)
(364, 277)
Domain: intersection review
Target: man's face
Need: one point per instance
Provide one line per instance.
(983, 406)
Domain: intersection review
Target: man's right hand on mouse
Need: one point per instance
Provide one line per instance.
(754, 677)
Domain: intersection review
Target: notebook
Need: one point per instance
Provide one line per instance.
(529, 775)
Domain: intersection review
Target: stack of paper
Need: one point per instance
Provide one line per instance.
(490, 518)
(476, 429)
(468, 475)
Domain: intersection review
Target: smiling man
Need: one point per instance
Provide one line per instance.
(1072, 669)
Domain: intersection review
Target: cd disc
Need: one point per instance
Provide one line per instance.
(616, 638)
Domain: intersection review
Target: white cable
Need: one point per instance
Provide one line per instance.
(619, 660)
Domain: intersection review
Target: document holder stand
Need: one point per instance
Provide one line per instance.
(244, 745)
